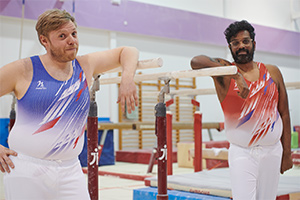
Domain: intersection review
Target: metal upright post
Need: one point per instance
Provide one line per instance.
(92, 143)
(160, 132)
(197, 137)
(169, 117)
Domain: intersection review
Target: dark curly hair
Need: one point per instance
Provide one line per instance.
(238, 26)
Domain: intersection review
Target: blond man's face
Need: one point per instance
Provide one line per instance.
(62, 43)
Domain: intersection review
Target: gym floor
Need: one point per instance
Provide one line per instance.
(112, 187)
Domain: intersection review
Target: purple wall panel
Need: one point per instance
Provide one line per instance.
(11, 8)
(145, 19)
(277, 40)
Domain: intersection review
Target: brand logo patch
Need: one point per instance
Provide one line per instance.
(40, 86)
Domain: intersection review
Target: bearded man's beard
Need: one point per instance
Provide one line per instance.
(243, 58)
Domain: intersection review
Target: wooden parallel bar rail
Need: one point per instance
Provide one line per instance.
(215, 71)
(292, 85)
(208, 91)
(151, 125)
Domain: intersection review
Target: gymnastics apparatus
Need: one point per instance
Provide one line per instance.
(162, 127)
(160, 113)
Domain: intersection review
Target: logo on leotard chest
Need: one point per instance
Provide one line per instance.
(40, 85)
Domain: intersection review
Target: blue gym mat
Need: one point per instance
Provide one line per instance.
(150, 193)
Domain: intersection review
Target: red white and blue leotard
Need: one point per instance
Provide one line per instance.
(254, 120)
(51, 116)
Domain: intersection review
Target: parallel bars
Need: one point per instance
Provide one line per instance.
(160, 108)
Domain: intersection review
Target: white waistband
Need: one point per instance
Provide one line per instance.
(48, 162)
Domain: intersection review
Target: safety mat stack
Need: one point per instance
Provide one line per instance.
(217, 182)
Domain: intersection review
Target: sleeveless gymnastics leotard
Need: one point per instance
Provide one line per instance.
(254, 120)
(51, 116)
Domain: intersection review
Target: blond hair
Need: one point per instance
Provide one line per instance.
(52, 20)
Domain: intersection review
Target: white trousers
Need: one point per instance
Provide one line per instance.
(255, 171)
(36, 179)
